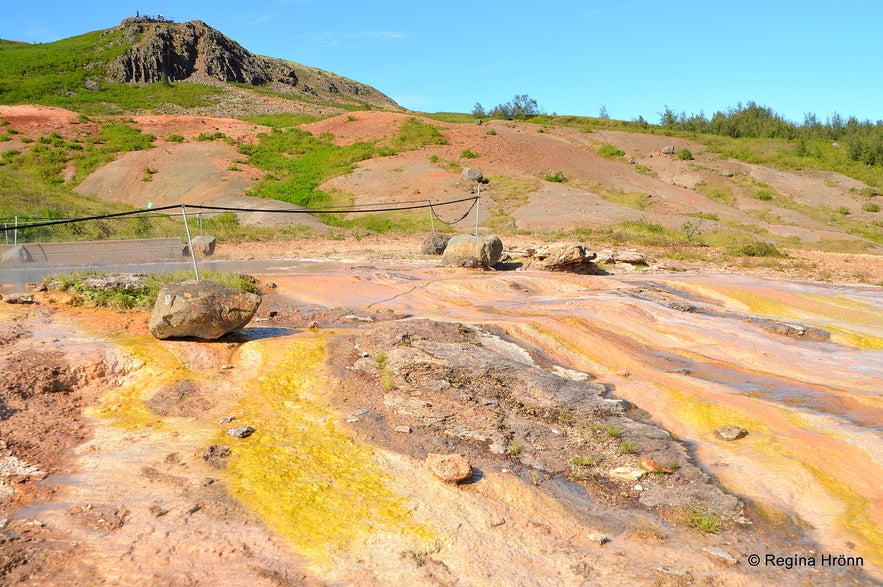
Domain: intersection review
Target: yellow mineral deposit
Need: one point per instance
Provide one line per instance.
(310, 481)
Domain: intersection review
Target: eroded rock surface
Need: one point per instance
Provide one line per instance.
(491, 402)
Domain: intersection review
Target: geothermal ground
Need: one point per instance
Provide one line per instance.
(117, 467)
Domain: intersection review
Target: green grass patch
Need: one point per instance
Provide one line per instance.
(702, 519)
(718, 193)
(610, 152)
(590, 461)
(508, 194)
(414, 134)
(139, 298)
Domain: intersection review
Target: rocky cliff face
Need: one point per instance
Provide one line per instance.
(194, 51)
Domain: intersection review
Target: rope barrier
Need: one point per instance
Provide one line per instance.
(151, 212)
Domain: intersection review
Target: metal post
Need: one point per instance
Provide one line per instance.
(190, 242)
(477, 206)
(15, 233)
(431, 219)
(6, 232)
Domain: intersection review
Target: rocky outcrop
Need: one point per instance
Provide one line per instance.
(570, 257)
(465, 250)
(193, 51)
(488, 400)
(201, 309)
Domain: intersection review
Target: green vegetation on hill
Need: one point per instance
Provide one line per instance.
(298, 162)
(71, 73)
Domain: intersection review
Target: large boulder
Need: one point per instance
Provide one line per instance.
(201, 309)
(465, 250)
(472, 174)
(203, 246)
(435, 244)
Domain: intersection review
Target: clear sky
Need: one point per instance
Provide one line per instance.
(634, 57)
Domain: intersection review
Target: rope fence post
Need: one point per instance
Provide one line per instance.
(431, 214)
(15, 233)
(477, 206)
(190, 242)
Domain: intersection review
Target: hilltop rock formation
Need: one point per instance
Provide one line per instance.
(194, 51)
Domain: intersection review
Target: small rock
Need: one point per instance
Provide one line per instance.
(638, 487)
(240, 432)
(451, 468)
(598, 538)
(627, 473)
(624, 373)
(158, 510)
(313, 325)
(403, 429)
(649, 464)
(630, 257)
(18, 298)
(273, 314)
(720, 554)
(226, 419)
(668, 150)
(683, 576)
(226, 367)
(730, 433)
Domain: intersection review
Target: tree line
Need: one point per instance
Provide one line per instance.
(863, 140)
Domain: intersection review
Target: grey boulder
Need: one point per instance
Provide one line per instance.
(465, 250)
(201, 309)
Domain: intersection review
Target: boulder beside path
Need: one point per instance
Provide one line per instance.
(201, 309)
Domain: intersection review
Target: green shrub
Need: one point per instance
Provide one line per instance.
(175, 138)
(609, 151)
(754, 248)
(684, 155)
(468, 154)
(211, 136)
(557, 177)
(870, 207)
(763, 195)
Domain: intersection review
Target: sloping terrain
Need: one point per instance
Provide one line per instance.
(643, 184)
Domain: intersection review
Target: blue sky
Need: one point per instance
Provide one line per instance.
(573, 57)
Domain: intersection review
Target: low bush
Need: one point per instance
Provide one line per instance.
(557, 177)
